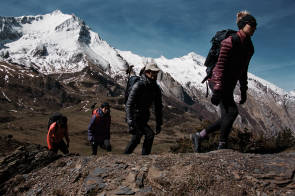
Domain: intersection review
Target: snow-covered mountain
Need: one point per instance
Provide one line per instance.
(56, 43)
(62, 43)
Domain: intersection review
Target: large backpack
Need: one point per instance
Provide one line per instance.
(131, 81)
(213, 54)
(53, 118)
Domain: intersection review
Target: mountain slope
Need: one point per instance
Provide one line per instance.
(58, 43)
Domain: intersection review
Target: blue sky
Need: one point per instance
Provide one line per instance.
(173, 28)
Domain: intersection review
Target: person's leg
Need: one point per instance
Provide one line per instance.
(217, 124)
(54, 147)
(94, 148)
(107, 145)
(63, 147)
(230, 115)
(135, 140)
(148, 140)
(197, 137)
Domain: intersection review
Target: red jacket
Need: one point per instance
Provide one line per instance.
(232, 64)
(56, 134)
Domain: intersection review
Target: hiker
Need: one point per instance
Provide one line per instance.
(143, 94)
(57, 131)
(231, 67)
(99, 128)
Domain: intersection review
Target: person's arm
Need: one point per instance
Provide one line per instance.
(244, 77)
(244, 81)
(158, 110)
(90, 128)
(219, 69)
(67, 136)
(51, 136)
(109, 128)
(131, 102)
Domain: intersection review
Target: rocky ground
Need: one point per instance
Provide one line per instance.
(32, 170)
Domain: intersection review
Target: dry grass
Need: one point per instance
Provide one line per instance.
(31, 126)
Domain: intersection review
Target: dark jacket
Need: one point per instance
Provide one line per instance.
(232, 64)
(99, 127)
(143, 94)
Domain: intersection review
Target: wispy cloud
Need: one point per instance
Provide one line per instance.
(266, 67)
(271, 19)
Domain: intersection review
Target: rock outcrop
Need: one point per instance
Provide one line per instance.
(224, 172)
(23, 160)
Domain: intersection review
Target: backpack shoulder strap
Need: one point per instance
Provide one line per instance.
(235, 40)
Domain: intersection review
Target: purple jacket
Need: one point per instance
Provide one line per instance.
(232, 64)
(99, 127)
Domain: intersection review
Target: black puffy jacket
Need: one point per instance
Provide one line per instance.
(143, 94)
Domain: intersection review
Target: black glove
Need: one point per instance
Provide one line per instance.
(243, 97)
(216, 97)
(158, 129)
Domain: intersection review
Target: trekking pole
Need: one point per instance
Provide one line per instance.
(207, 90)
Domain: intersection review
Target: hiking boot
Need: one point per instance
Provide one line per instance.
(196, 140)
(222, 145)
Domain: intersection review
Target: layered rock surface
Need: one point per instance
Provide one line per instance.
(224, 172)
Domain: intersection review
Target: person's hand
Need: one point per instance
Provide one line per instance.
(243, 97)
(216, 98)
(158, 129)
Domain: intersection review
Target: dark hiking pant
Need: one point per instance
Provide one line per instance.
(60, 146)
(106, 145)
(229, 113)
(135, 140)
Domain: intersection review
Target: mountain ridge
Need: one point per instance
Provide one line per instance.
(57, 43)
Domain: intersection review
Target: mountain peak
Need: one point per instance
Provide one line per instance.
(57, 12)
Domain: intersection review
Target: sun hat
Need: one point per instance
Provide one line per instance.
(151, 67)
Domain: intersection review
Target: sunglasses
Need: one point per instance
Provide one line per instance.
(153, 72)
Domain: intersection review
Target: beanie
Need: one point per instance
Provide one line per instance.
(105, 105)
(247, 19)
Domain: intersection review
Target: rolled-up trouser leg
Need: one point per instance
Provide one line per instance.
(148, 140)
(135, 140)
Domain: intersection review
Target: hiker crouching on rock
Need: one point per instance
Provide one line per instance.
(143, 94)
(57, 131)
(99, 128)
(231, 67)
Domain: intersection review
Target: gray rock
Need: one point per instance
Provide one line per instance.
(125, 191)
